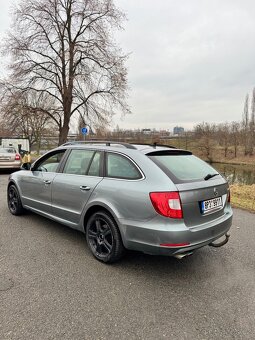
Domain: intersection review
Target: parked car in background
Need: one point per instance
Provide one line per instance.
(150, 198)
(9, 158)
(19, 144)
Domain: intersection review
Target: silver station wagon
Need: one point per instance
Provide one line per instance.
(151, 198)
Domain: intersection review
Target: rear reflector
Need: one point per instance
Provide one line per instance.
(229, 196)
(167, 204)
(174, 244)
(17, 157)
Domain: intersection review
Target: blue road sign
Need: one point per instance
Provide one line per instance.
(84, 130)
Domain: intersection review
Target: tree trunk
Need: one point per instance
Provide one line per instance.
(235, 148)
(63, 132)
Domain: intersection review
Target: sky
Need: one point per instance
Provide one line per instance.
(190, 61)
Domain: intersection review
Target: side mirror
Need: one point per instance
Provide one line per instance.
(25, 166)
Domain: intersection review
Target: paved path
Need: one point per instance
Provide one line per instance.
(52, 288)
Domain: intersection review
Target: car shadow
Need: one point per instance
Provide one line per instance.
(7, 171)
(136, 263)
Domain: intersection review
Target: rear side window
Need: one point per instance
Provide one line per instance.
(78, 162)
(118, 166)
(183, 168)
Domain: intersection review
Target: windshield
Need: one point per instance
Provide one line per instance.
(183, 168)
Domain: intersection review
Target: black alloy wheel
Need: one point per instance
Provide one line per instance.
(14, 202)
(103, 237)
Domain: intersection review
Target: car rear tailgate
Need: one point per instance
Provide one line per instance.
(193, 195)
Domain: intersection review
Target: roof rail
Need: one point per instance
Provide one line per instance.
(154, 145)
(107, 143)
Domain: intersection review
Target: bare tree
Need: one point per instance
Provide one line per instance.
(205, 133)
(27, 115)
(65, 48)
(223, 133)
(245, 123)
(252, 123)
(235, 136)
(4, 131)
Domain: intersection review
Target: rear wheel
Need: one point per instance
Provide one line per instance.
(103, 237)
(14, 202)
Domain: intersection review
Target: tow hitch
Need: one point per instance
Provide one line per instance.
(220, 244)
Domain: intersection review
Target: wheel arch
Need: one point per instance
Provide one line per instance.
(11, 182)
(94, 208)
(97, 207)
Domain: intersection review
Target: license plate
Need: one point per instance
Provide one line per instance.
(211, 205)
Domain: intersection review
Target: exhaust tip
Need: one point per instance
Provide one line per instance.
(181, 256)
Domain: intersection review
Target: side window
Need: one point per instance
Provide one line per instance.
(94, 169)
(118, 166)
(78, 162)
(50, 163)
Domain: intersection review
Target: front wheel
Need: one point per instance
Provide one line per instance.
(14, 202)
(103, 238)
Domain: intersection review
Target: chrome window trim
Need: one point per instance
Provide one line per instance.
(132, 161)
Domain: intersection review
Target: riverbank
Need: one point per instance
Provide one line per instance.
(219, 158)
(243, 196)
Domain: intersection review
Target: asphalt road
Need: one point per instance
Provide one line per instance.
(52, 288)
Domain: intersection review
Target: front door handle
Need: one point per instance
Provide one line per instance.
(47, 181)
(84, 188)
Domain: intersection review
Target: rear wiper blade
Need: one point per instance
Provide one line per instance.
(210, 176)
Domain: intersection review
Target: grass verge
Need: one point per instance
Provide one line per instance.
(243, 196)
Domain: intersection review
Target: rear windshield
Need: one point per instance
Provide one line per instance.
(183, 168)
(7, 150)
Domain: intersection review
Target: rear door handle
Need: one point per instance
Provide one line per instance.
(47, 181)
(84, 188)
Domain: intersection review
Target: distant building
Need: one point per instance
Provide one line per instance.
(146, 131)
(178, 130)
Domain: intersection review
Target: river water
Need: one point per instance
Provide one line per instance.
(237, 174)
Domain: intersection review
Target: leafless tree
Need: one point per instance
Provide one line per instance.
(27, 114)
(246, 112)
(252, 123)
(253, 107)
(245, 123)
(223, 134)
(204, 133)
(4, 131)
(235, 136)
(65, 48)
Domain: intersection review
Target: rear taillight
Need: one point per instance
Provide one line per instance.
(17, 157)
(167, 204)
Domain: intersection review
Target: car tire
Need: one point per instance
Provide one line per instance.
(103, 237)
(14, 201)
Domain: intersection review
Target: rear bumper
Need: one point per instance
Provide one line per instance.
(148, 237)
(10, 165)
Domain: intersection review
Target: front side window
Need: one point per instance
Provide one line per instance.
(50, 163)
(78, 162)
(118, 166)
